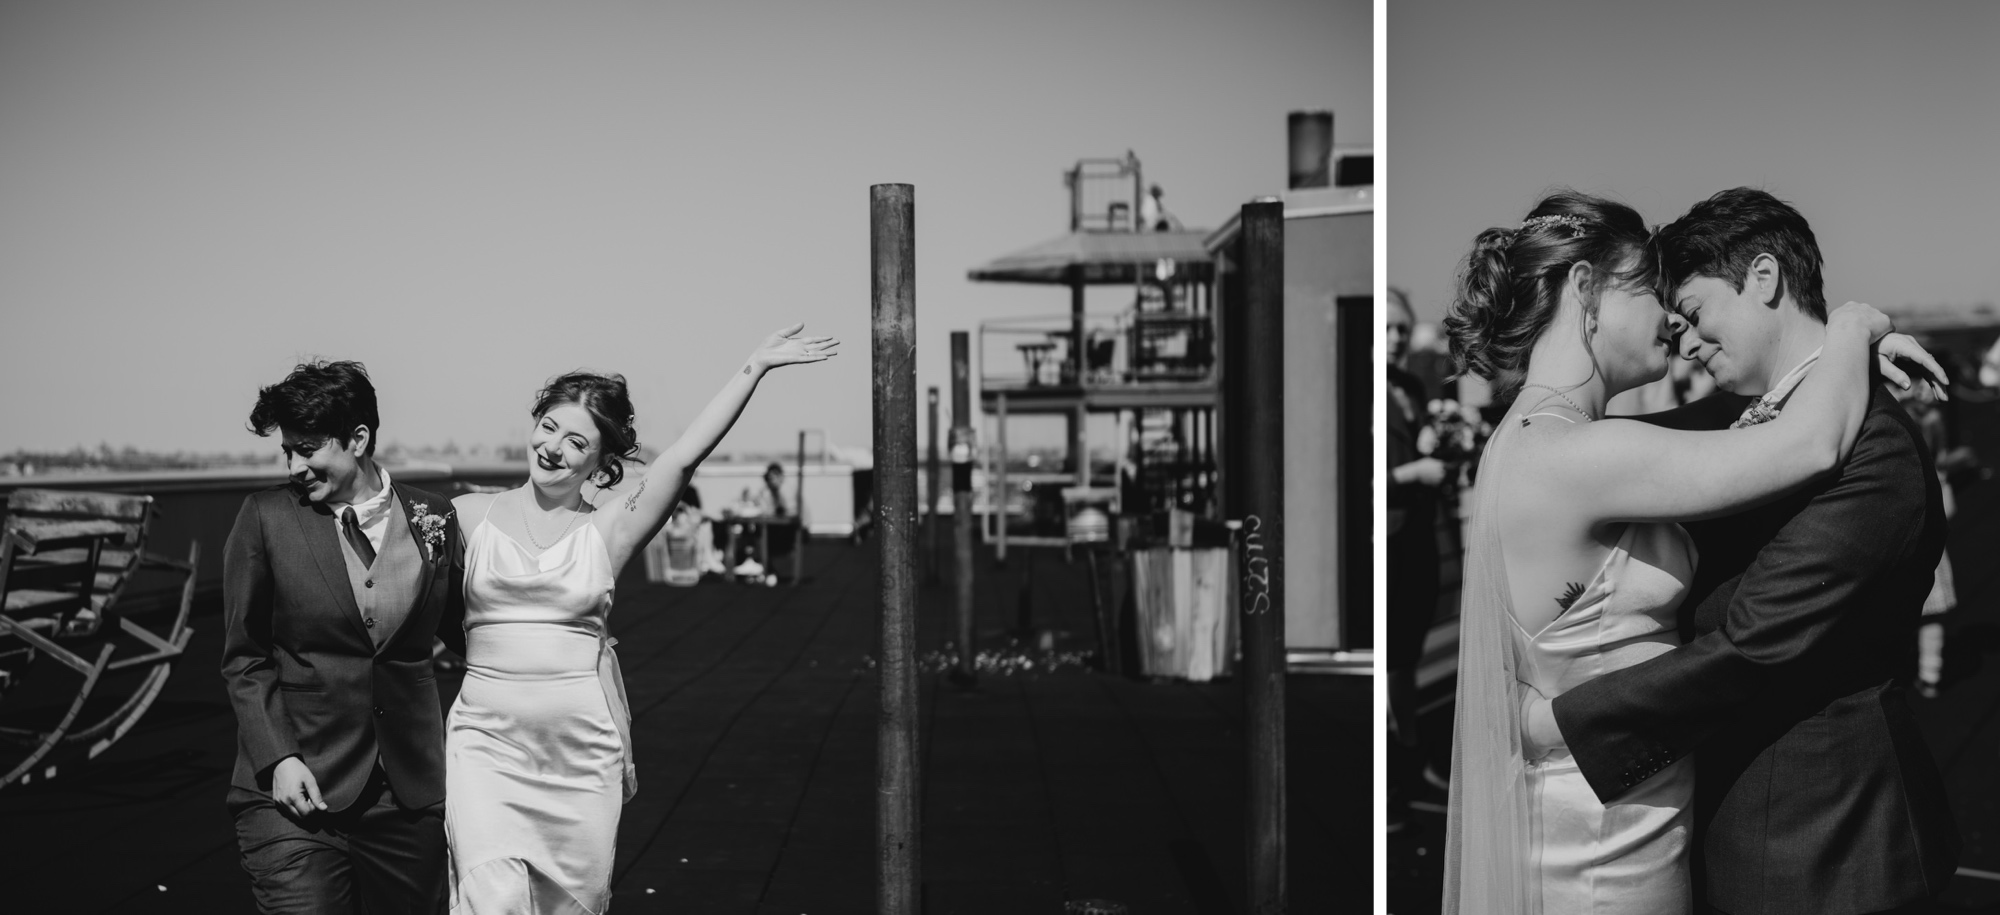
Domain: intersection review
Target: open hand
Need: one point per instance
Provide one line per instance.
(786, 347)
(1904, 346)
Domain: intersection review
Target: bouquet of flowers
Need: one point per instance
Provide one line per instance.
(1455, 436)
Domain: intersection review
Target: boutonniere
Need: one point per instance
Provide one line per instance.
(430, 528)
(1763, 411)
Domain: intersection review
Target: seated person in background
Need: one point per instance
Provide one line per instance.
(769, 500)
(761, 501)
(688, 520)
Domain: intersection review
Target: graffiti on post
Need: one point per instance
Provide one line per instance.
(1256, 568)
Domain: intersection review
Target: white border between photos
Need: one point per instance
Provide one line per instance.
(1378, 454)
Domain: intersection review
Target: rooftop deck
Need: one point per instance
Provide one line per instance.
(754, 718)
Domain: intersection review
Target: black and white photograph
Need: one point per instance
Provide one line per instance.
(693, 457)
(1692, 405)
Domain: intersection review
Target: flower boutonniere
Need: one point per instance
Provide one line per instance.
(430, 528)
(1763, 411)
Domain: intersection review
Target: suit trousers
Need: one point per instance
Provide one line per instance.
(373, 857)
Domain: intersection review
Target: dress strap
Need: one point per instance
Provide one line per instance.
(489, 508)
(1524, 417)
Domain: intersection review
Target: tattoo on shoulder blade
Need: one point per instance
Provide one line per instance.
(632, 501)
(1570, 595)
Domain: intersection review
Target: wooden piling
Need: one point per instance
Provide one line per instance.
(961, 501)
(1000, 481)
(932, 493)
(892, 254)
(1257, 471)
(799, 513)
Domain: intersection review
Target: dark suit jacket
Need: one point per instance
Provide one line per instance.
(1409, 503)
(305, 678)
(1814, 790)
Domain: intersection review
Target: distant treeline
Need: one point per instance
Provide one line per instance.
(106, 459)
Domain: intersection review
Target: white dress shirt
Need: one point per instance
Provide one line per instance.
(372, 512)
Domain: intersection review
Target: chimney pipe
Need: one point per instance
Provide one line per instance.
(1311, 140)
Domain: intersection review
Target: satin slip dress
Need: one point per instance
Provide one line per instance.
(1629, 857)
(537, 746)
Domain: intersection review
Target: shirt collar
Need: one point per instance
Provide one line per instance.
(367, 510)
(1783, 389)
(1765, 408)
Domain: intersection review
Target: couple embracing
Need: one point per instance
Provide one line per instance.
(1683, 637)
(353, 791)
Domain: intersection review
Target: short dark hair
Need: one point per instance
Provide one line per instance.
(1720, 236)
(320, 398)
(774, 467)
(604, 397)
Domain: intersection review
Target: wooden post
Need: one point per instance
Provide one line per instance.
(961, 500)
(1000, 478)
(799, 513)
(1080, 444)
(931, 492)
(1075, 375)
(892, 254)
(1257, 388)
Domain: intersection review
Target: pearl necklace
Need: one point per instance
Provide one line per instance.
(1572, 404)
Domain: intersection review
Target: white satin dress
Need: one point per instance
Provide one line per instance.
(1631, 857)
(537, 747)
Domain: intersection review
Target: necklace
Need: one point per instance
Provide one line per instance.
(1565, 399)
(530, 528)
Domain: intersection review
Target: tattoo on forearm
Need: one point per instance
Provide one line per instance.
(746, 370)
(632, 501)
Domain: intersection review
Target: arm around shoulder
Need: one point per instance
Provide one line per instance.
(1628, 724)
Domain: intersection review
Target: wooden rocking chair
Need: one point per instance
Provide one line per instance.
(76, 673)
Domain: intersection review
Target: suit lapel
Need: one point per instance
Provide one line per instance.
(426, 566)
(316, 525)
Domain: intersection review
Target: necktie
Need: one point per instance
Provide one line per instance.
(350, 526)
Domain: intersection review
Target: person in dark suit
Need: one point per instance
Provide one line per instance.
(334, 586)
(1415, 481)
(1814, 791)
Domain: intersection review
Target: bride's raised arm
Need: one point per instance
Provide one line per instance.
(1632, 471)
(638, 509)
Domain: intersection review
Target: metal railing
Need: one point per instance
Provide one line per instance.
(1133, 347)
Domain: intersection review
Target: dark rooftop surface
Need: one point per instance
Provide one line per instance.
(754, 720)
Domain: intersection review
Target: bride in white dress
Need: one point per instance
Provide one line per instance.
(1574, 565)
(538, 749)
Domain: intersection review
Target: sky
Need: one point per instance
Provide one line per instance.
(472, 198)
(1880, 122)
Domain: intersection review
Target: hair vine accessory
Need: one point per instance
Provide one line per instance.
(1573, 223)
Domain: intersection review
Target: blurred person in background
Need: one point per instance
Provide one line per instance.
(1929, 417)
(1416, 481)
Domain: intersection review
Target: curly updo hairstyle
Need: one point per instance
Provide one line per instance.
(1511, 284)
(604, 397)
